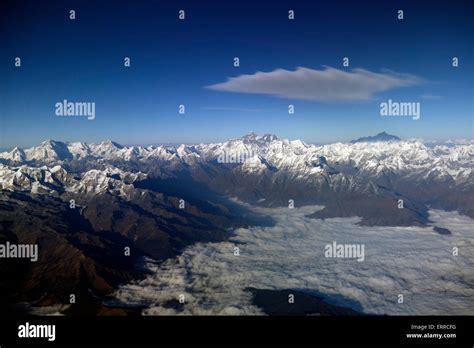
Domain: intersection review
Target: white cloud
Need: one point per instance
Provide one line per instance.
(329, 84)
(414, 261)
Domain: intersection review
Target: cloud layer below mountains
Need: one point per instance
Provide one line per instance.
(413, 261)
(329, 84)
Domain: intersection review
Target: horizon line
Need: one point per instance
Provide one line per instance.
(174, 144)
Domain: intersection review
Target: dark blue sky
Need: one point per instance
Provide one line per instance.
(173, 61)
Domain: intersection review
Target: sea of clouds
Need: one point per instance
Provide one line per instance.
(414, 261)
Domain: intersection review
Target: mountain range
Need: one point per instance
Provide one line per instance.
(156, 200)
(375, 167)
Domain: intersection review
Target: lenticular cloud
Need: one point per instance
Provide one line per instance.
(414, 261)
(329, 84)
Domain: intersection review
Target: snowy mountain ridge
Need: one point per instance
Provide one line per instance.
(268, 152)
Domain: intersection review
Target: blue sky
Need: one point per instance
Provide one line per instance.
(173, 61)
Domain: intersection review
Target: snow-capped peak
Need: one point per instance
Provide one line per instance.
(253, 137)
(111, 143)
